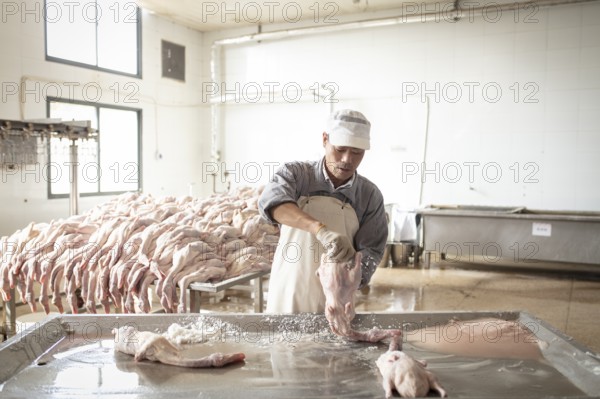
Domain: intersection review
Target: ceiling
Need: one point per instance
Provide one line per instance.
(228, 14)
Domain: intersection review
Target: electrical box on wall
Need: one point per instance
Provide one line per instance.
(173, 61)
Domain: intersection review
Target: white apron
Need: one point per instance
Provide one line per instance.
(293, 285)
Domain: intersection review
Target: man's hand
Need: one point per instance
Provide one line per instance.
(337, 247)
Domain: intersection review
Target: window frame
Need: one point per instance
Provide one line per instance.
(97, 107)
(96, 67)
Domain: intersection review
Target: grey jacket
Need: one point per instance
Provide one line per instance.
(297, 179)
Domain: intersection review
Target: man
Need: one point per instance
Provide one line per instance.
(323, 205)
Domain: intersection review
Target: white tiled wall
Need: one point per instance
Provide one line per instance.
(545, 142)
(550, 135)
(171, 111)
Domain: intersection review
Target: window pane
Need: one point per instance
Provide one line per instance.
(107, 165)
(101, 33)
(59, 172)
(74, 112)
(119, 150)
(71, 30)
(117, 36)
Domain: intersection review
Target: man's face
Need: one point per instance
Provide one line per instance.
(341, 162)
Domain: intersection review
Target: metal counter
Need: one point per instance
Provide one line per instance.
(254, 278)
(513, 236)
(286, 356)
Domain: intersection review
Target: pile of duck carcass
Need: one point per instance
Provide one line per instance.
(114, 252)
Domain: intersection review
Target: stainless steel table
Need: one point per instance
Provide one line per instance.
(287, 356)
(514, 236)
(254, 278)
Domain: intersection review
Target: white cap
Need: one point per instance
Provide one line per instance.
(347, 128)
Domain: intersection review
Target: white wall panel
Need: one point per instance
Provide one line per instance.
(172, 112)
(541, 130)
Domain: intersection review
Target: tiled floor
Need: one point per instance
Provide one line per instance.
(571, 303)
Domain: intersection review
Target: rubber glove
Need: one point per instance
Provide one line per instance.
(337, 246)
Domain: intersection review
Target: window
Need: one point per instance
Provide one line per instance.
(110, 165)
(98, 34)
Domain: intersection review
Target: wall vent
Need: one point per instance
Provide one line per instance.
(173, 61)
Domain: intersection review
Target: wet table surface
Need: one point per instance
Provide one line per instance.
(280, 363)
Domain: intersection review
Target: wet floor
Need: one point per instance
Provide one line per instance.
(568, 302)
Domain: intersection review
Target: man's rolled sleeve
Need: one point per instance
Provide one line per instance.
(282, 188)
